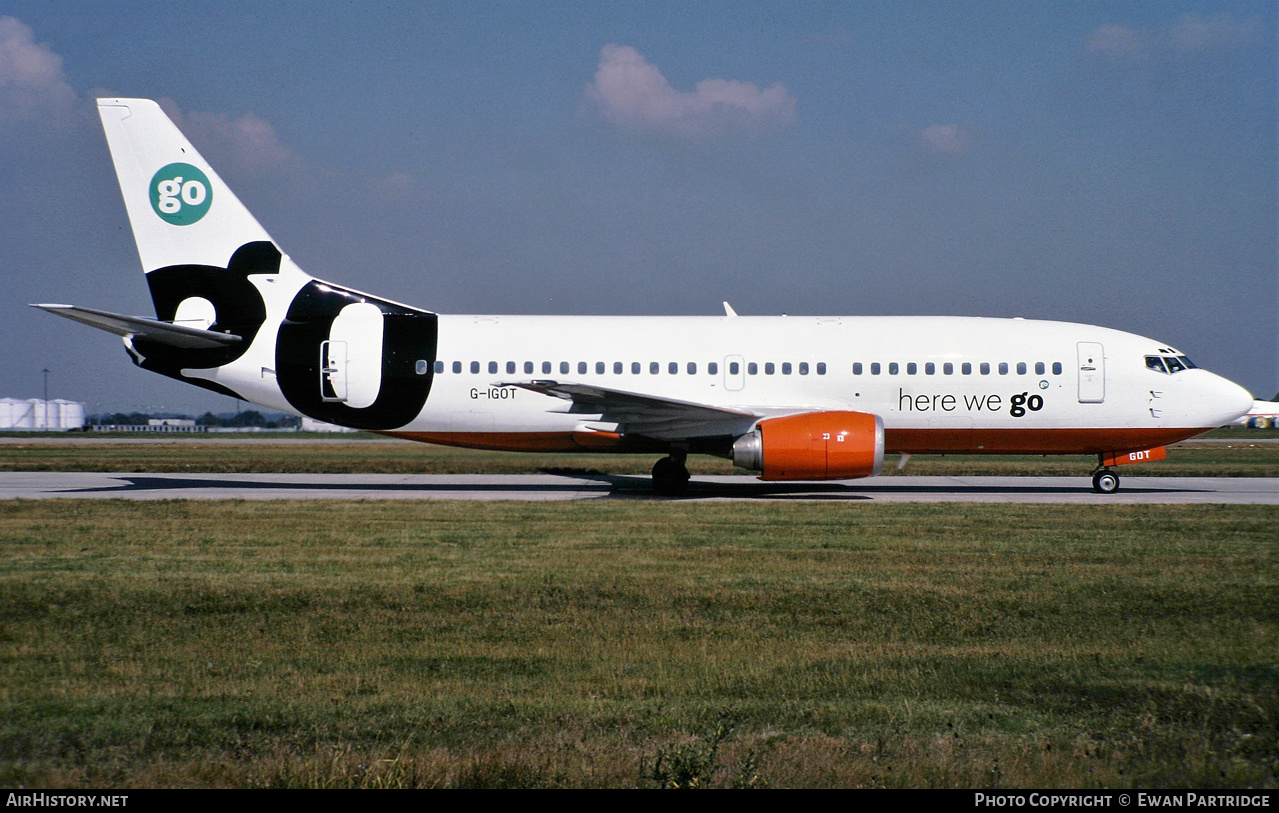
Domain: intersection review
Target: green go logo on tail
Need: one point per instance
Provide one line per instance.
(181, 194)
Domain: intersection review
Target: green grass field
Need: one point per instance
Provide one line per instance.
(608, 644)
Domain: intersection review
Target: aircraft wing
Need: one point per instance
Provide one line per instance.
(647, 415)
(144, 328)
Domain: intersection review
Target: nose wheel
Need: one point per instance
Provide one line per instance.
(670, 476)
(1105, 481)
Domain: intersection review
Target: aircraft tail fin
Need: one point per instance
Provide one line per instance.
(180, 210)
(236, 316)
(216, 278)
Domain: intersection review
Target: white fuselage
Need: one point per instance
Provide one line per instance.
(940, 384)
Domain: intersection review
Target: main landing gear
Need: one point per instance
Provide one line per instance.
(1105, 481)
(670, 475)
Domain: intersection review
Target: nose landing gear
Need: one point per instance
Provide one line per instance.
(1105, 481)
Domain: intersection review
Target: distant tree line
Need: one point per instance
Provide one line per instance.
(119, 419)
(247, 418)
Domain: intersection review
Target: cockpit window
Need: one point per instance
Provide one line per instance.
(1169, 364)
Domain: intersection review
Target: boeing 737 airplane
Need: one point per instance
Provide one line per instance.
(793, 398)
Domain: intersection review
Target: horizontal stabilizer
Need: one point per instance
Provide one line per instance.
(140, 327)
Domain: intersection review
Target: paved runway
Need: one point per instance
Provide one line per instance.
(584, 485)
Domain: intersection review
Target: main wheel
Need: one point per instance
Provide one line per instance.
(670, 477)
(1105, 482)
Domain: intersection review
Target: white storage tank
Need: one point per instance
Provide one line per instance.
(73, 415)
(30, 414)
(8, 411)
(26, 417)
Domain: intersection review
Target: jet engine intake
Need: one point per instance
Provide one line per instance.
(813, 446)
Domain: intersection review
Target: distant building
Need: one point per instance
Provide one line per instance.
(38, 415)
(172, 425)
(166, 425)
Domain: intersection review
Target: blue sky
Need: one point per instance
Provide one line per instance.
(1111, 163)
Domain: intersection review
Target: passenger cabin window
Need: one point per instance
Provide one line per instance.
(654, 368)
(752, 368)
(857, 368)
(563, 368)
(713, 368)
(930, 368)
(528, 368)
(492, 367)
(692, 368)
(546, 368)
(617, 368)
(1039, 368)
(769, 368)
(673, 367)
(911, 368)
(966, 368)
(635, 368)
(1056, 368)
(457, 366)
(985, 368)
(803, 367)
(948, 368)
(1021, 368)
(874, 368)
(821, 368)
(786, 368)
(475, 367)
(1003, 368)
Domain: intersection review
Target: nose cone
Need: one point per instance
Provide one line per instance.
(1223, 401)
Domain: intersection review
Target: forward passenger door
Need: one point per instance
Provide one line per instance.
(1092, 373)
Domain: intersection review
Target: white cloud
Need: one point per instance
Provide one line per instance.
(945, 140)
(32, 84)
(1188, 34)
(248, 140)
(34, 91)
(633, 95)
(35, 94)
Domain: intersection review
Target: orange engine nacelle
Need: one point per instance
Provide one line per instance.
(813, 446)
